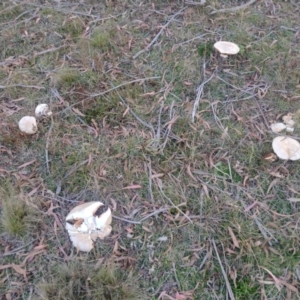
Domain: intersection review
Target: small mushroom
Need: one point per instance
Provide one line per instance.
(287, 119)
(286, 148)
(28, 125)
(277, 127)
(87, 222)
(43, 110)
(226, 48)
(289, 129)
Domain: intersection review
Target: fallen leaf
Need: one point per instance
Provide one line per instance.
(132, 187)
(233, 237)
(78, 112)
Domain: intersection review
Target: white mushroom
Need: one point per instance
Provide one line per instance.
(226, 48)
(286, 148)
(43, 110)
(288, 120)
(28, 125)
(85, 224)
(289, 129)
(277, 127)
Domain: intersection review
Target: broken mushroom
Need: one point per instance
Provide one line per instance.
(226, 48)
(43, 110)
(286, 148)
(28, 125)
(87, 222)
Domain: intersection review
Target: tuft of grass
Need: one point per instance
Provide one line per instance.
(67, 77)
(17, 218)
(101, 40)
(80, 280)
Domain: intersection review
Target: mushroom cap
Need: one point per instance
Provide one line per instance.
(81, 241)
(89, 225)
(227, 48)
(104, 219)
(84, 210)
(277, 127)
(28, 125)
(286, 148)
(42, 110)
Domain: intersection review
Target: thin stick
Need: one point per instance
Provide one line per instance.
(47, 145)
(202, 2)
(200, 90)
(14, 251)
(22, 85)
(122, 84)
(228, 286)
(233, 9)
(160, 189)
(143, 219)
(147, 48)
(133, 113)
(107, 91)
(175, 275)
(154, 213)
(150, 180)
(127, 220)
(190, 40)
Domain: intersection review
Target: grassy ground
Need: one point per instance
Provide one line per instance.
(199, 213)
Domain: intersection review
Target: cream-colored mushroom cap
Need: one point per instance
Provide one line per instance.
(226, 48)
(42, 110)
(85, 224)
(277, 127)
(28, 125)
(84, 210)
(81, 241)
(286, 148)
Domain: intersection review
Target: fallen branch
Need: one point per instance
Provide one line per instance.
(147, 48)
(233, 9)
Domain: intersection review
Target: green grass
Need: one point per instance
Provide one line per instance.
(187, 181)
(18, 219)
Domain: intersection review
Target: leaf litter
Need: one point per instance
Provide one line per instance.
(158, 164)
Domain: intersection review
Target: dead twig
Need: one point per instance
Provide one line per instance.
(14, 251)
(175, 275)
(264, 231)
(108, 91)
(22, 85)
(127, 220)
(190, 40)
(133, 113)
(199, 94)
(233, 9)
(156, 212)
(47, 145)
(120, 85)
(228, 286)
(193, 3)
(144, 218)
(58, 186)
(147, 48)
(175, 206)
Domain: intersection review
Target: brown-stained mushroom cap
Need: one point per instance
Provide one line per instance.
(86, 222)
